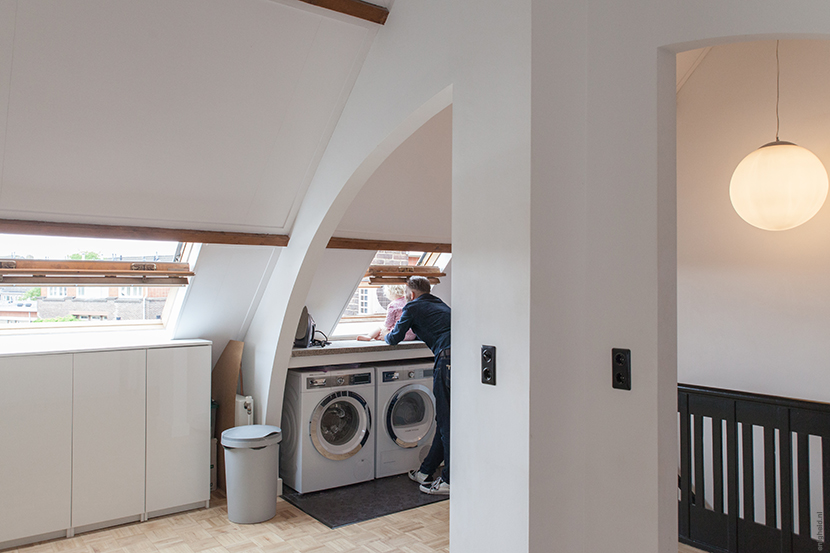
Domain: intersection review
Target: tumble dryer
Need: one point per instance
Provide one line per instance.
(327, 428)
(406, 418)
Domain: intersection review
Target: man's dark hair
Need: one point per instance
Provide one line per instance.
(419, 284)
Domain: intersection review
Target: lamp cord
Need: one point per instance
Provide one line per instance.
(777, 89)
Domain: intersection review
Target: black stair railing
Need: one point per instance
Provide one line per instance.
(754, 471)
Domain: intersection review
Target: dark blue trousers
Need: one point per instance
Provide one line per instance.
(440, 449)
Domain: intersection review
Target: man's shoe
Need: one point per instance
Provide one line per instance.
(420, 477)
(438, 487)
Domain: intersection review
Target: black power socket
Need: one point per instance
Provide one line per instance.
(488, 365)
(621, 368)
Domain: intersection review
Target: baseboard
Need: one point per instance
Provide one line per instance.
(70, 532)
(14, 544)
(701, 546)
(98, 525)
(179, 509)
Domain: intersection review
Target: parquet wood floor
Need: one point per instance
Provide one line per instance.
(422, 530)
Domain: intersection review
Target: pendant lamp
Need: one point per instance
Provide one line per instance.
(780, 185)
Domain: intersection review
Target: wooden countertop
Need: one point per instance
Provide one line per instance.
(343, 352)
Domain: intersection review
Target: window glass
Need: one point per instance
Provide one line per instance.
(366, 311)
(95, 306)
(89, 292)
(339, 423)
(410, 409)
(131, 292)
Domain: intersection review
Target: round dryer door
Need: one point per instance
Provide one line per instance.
(410, 415)
(340, 425)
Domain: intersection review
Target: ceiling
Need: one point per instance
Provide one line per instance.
(182, 113)
(409, 197)
(687, 62)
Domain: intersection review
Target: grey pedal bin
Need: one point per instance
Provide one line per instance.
(251, 472)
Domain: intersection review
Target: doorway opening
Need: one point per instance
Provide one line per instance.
(751, 304)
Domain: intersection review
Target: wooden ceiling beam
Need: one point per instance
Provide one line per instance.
(44, 228)
(355, 8)
(388, 245)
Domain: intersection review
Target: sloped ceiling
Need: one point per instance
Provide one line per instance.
(687, 62)
(184, 113)
(409, 197)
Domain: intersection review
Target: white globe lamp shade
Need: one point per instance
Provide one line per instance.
(778, 186)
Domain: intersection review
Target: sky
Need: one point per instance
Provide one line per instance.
(52, 247)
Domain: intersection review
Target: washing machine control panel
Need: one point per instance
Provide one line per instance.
(332, 381)
(392, 376)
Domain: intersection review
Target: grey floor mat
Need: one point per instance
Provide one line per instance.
(359, 502)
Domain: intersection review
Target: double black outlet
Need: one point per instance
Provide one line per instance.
(621, 368)
(488, 365)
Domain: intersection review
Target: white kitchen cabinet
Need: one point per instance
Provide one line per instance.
(35, 445)
(178, 427)
(108, 436)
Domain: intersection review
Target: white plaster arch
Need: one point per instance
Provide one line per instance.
(317, 220)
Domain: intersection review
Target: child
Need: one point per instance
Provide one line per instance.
(396, 293)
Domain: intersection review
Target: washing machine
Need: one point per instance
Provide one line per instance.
(406, 418)
(327, 420)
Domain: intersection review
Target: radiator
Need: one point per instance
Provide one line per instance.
(244, 413)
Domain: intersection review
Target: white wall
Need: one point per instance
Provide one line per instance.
(335, 281)
(444, 288)
(491, 257)
(223, 296)
(752, 304)
(558, 503)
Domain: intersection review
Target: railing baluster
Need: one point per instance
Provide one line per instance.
(769, 476)
(804, 514)
(749, 473)
(700, 486)
(825, 466)
(786, 457)
(717, 463)
(732, 479)
(685, 465)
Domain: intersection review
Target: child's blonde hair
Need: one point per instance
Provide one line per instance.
(394, 291)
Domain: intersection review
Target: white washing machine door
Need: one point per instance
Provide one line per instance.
(340, 425)
(410, 415)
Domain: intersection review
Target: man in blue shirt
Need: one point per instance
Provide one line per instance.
(429, 318)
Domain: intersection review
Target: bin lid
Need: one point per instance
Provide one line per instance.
(251, 436)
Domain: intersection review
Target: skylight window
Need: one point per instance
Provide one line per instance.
(94, 282)
(366, 310)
